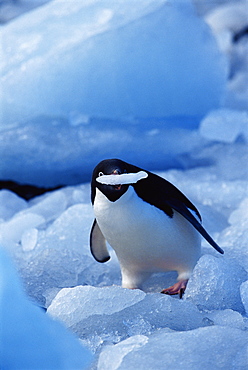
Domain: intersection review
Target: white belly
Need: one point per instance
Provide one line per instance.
(145, 239)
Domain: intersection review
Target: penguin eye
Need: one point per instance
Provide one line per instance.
(100, 174)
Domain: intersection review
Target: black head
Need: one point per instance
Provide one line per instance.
(109, 167)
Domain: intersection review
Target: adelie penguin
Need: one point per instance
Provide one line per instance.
(149, 223)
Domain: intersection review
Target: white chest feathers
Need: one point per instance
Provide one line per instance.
(144, 237)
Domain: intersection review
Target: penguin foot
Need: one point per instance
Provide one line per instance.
(177, 288)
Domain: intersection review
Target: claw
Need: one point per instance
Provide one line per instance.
(177, 288)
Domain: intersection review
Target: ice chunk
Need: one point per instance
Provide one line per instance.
(14, 228)
(107, 44)
(50, 206)
(228, 19)
(225, 125)
(244, 295)
(43, 269)
(131, 344)
(29, 239)
(10, 204)
(215, 284)
(29, 338)
(234, 238)
(70, 230)
(240, 215)
(125, 178)
(212, 347)
(88, 301)
(230, 318)
(108, 315)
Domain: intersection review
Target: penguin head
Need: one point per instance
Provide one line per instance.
(109, 167)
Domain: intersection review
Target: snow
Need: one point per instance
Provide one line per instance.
(50, 135)
(125, 178)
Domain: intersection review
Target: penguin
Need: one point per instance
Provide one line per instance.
(151, 225)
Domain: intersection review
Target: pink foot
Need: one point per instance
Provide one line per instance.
(177, 288)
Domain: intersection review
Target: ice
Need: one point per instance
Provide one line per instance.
(121, 351)
(49, 152)
(229, 24)
(29, 239)
(125, 178)
(215, 284)
(225, 125)
(49, 207)
(95, 38)
(244, 295)
(90, 301)
(29, 338)
(106, 105)
(43, 269)
(234, 238)
(230, 318)
(14, 228)
(70, 230)
(212, 347)
(96, 313)
(53, 133)
(240, 216)
(10, 204)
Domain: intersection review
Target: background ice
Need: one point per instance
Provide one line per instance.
(10, 204)
(48, 236)
(96, 39)
(106, 100)
(225, 125)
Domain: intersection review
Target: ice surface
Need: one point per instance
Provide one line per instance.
(29, 338)
(48, 237)
(205, 348)
(215, 284)
(92, 301)
(97, 314)
(125, 178)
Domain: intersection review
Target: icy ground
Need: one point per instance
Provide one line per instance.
(48, 239)
(47, 138)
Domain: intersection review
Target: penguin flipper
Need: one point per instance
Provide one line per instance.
(186, 212)
(98, 246)
(165, 196)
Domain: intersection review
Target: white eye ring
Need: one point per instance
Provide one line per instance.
(100, 174)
